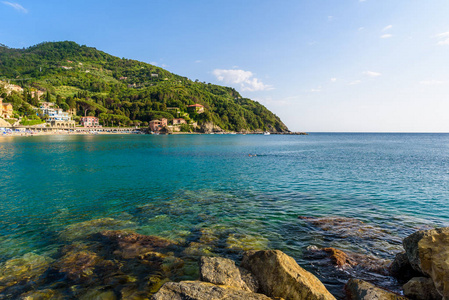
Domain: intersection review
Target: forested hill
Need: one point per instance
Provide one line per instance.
(85, 79)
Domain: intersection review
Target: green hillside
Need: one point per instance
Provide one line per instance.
(122, 90)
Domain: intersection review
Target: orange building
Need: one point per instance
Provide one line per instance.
(156, 125)
(5, 110)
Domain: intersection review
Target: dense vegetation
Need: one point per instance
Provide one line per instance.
(119, 90)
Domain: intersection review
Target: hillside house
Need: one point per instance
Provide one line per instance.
(157, 125)
(5, 110)
(198, 108)
(90, 121)
(11, 87)
(179, 121)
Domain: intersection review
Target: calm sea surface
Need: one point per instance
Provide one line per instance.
(174, 186)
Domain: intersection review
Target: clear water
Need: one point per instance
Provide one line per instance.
(172, 186)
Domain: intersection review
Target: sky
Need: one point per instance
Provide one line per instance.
(320, 65)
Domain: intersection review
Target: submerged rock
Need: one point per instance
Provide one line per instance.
(79, 265)
(128, 244)
(428, 253)
(42, 295)
(421, 288)
(245, 242)
(197, 290)
(98, 294)
(347, 259)
(86, 229)
(350, 228)
(223, 271)
(280, 276)
(357, 289)
(28, 267)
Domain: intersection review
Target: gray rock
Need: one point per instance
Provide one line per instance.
(357, 289)
(421, 288)
(197, 290)
(401, 268)
(280, 276)
(223, 271)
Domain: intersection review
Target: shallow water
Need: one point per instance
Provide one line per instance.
(178, 186)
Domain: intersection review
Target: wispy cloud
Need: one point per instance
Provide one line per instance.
(443, 38)
(316, 90)
(333, 79)
(355, 82)
(16, 6)
(386, 36)
(372, 74)
(330, 18)
(198, 61)
(245, 79)
(387, 27)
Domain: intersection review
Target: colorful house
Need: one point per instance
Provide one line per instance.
(5, 110)
(198, 108)
(90, 122)
(157, 125)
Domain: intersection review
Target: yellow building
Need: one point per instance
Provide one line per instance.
(5, 110)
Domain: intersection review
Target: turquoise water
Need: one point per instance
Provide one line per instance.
(174, 186)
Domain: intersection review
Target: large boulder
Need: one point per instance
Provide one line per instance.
(280, 276)
(428, 253)
(357, 289)
(421, 288)
(197, 290)
(223, 271)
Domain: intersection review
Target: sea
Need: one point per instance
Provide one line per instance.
(225, 194)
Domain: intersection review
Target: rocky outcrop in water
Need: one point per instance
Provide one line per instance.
(426, 253)
(280, 276)
(223, 271)
(269, 274)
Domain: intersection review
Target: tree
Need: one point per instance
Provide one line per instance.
(71, 102)
(48, 97)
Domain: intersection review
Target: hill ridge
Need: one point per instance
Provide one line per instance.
(77, 77)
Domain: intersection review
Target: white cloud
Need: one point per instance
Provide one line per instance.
(386, 36)
(387, 27)
(16, 6)
(333, 79)
(245, 79)
(330, 18)
(153, 63)
(361, 28)
(198, 61)
(372, 74)
(355, 82)
(443, 38)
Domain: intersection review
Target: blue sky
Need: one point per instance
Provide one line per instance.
(347, 65)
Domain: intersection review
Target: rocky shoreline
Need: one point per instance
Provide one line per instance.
(107, 259)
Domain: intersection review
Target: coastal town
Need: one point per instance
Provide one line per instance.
(57, 120)
(46, 117)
